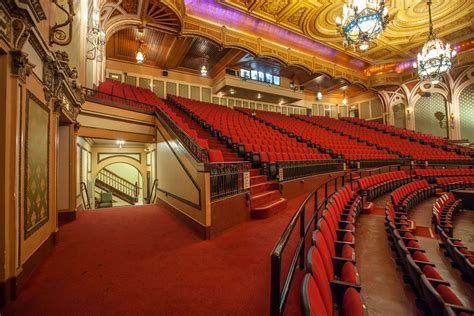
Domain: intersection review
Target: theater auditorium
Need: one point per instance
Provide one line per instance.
(237, 157)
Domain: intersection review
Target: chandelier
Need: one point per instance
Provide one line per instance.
(362, 22)
(139, 55)
(204, 66)
(95, 38)
(319, 96)
(434, 60)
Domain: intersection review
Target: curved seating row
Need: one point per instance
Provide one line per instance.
(433, 292)
(444, 210)
(452, 183)
(394, 143)
(376, 185)
(408, 195)
(406, 133)
(433, 173)
(332, 280)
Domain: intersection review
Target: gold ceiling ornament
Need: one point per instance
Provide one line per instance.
(435, 58)
(362, 22)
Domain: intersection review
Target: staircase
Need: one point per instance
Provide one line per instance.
(212, 140)
(121, 188)
(265, 196)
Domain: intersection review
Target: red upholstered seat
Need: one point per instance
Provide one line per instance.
(215, 155)
(418, 255)
(352, 304)
(448, 295)
(431, 272)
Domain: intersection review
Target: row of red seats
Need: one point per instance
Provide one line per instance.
(436, 140)
(438, 172)
(332, 278)
(340, 145)
(465, 179)
(255, 136)
(126, 94)
(427, 283)
(376, 185)
(444, 209)
(408, 195)
(406, 147)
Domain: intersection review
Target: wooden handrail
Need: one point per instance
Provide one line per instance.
(119, 183)
(152, 191)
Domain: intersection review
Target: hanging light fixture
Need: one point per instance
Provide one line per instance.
(434, 60)
(319, 96)
(139, 55)
(344, 101)
(362, 22)
(204, 66)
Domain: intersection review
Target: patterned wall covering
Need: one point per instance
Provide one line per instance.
(364, 110)
(36, 165)
(466, 113)
(376, 107)
(425, 120)
(399, 115)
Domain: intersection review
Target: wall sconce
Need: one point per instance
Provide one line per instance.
(95, 38)
(408, 111)
(120, 142)
(451, 120)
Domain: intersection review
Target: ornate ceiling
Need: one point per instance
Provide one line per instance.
(453, 21)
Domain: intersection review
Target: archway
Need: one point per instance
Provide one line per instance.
(124, 180)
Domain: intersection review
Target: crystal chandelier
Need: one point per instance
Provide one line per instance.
(362, 22)
(139, 55)
(434, 60)
(204, 66)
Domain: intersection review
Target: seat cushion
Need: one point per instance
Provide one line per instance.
(418, 255)
(431, 272)
(413, 244)
(448, 295)
(351, 303)
(348, 273)
(348, 237)
(347, 252)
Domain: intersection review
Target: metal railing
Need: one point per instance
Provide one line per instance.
(199, 152)
(361, 173)
(115, 181)
(118, 102)
(85, 201)
(279, 293)
(152, 194)
(228, 178)
(372, 163)
(288, 170)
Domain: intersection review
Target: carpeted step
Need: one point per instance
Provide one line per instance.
(269, 209)
(265, 186)
(254, 172)
(257, 180)
(264, 198)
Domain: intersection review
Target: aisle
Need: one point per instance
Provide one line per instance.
(382, 283)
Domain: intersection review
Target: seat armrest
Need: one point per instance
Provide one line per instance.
(436, 282)
(421, 264)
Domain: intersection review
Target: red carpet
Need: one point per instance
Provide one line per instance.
(377, 211)
(144, 261)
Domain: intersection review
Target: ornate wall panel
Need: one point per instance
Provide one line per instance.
(427, 117)
(466, 113)
(36, 211)
(399, 115)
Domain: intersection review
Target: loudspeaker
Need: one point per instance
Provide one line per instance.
(165, 73)
(230, 72)
(301, 88)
